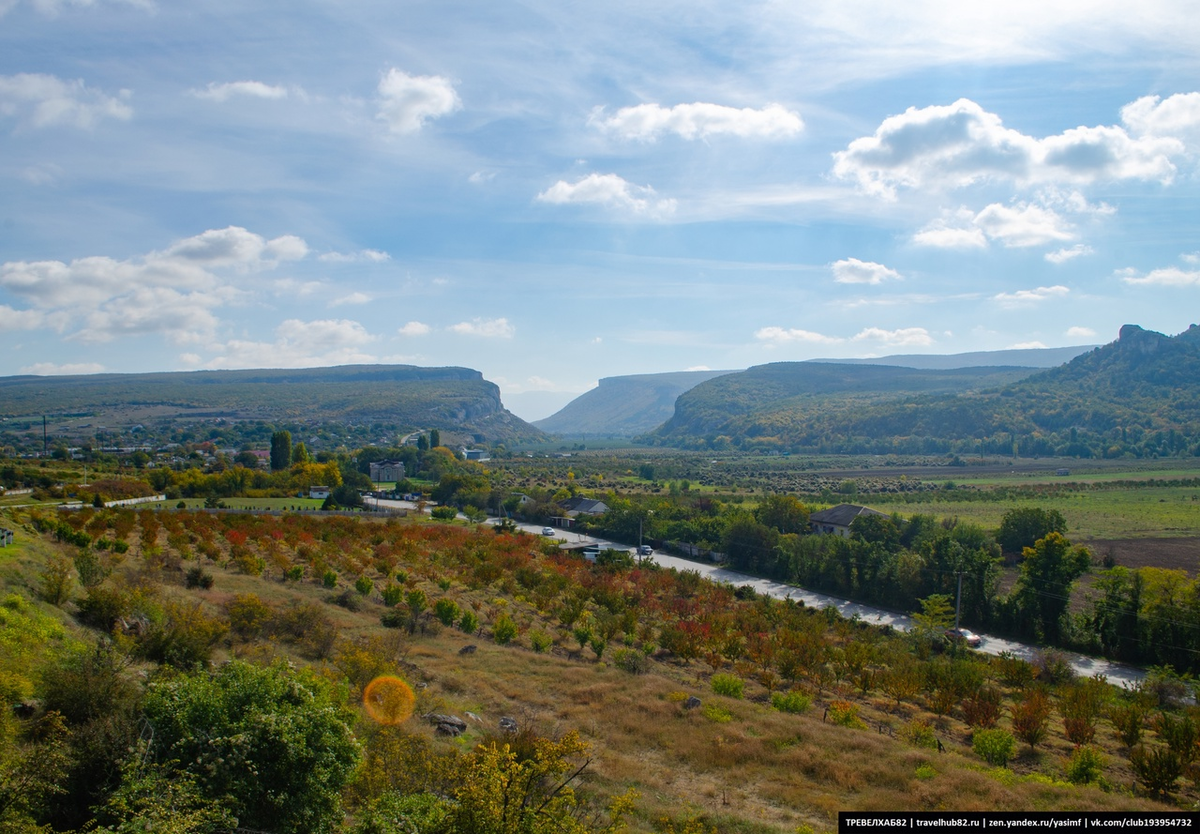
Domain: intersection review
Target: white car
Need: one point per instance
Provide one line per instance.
(966, 635)
(547, 531)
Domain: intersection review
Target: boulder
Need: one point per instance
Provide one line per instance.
(692, 702)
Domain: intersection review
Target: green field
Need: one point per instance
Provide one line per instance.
(1137, 512)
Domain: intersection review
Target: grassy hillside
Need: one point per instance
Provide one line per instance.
(1137, 396)
(449, 398)
(801, 714)
(787, 399)
(624, 406)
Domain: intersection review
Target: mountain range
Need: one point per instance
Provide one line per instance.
(1139, 395)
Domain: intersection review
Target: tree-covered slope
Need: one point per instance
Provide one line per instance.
(1138, 395)
(624, 406)
(449, 398)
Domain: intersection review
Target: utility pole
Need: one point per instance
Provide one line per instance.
(958, 601)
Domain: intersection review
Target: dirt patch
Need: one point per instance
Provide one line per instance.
(1176, 553)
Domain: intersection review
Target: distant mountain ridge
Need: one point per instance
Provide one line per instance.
(624, 406)
(1012, 357)
(1138, 395)
(628, 406)
(450, 398)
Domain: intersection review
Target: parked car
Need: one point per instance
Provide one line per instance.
(965, 635)
(547, 531)
(645, 550)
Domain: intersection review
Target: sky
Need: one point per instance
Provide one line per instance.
(552, 192)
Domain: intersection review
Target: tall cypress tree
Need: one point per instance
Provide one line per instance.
(281, 450)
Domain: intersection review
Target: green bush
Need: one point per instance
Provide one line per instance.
(716, 714)
(1085, 765)
(446, 610)
(845, 714)
(295, 573)
(329, 579)
(469, 622)
(540, 641)
(994, 746)
(730, 686)
(631, 660)
(505, 630)
(270, 744)
(794, 702)
(392, 594)
(443, 513)
(364, 585)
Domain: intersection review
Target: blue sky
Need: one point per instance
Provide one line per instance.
(554, 192)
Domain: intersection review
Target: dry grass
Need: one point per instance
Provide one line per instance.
(761, 771)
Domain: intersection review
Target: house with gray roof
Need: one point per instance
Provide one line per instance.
(837, 520)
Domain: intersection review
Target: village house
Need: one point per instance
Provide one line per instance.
(837, 520)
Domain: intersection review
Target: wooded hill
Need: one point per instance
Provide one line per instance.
(1136, 396)
(452, 399)
(624, 406)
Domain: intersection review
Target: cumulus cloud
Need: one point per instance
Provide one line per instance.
(1017, 225)
(1035, 296)
(172, 292)
(406, 101)
(1061, 256)
(247, 89)
(784, 336)
(904, 337)
(1171, 276)
(611, 191)
(699, 121)
(373, 256)
(1177, 115)
(486, 328)
(854, 271)
(1034, 345)
(1079, 332)
(959, 144)
(414, 328)
(300, 344)
(39, 101)
(68, 369)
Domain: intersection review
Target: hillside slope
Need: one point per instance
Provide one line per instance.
(1016, 357)
(624, 406)
(454, 399)
(1138, 395)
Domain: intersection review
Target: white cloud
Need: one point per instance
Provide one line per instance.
(373, 256)
(1022, 225)
(414, 328)
(248, 89)
(608, 190)
(1034, 345)
(783, 336)
(486, 328)
(406, 101)
(700, 121)
(1079, 332)
(51, 8)
(69, 369)
(1034, 296)
(959, 144)
(352, 298)
(21, 319)
(38, 100)
(172, 292)
(1171, 276)
(1060, 256)
(904, 337)
(1191, 258)
(1177, 115)
(942, 236)
(854, 271)
(300, 344)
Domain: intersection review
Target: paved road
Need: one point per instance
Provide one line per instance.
(1117, 674)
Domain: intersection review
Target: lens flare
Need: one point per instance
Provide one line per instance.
(389, 700)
